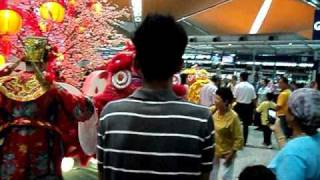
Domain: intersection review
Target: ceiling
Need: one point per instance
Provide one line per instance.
(283, 47)
(220, 17)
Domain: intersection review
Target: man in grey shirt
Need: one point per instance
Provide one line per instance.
(154, 134)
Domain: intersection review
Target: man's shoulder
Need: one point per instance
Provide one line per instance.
(115, 105)
(179, 104)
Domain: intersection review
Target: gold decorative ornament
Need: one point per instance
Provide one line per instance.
(35, 48)
(20, 89)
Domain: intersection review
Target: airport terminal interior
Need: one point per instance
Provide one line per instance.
(67, 68)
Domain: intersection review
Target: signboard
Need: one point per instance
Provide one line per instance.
(316, 26)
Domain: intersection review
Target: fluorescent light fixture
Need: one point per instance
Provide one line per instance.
(281, 72)
(286, 64)
(137, 10)
(305, 65)
(202, 56)
(268, 63)
(260, 17)
(229, 44)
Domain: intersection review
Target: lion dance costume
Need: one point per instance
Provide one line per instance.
(38, 122)
(196, 79)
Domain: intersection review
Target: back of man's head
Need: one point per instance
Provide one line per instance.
(244, 76)
(160, 43)
(257, 172)
(215, 79)
(284, 80)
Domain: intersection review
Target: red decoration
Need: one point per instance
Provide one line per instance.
(74, 42)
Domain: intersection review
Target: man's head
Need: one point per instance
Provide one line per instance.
(216, 79)
(244, 76)
(234, 79)
(224, 98)
(283, 83)
(160, 43)
(265, 82)
(270, 96)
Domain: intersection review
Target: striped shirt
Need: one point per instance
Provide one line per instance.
(154, 135)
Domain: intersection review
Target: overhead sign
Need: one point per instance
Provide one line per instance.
(316, 26)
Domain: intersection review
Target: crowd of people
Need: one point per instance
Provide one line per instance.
(157, 134)
(165, 121)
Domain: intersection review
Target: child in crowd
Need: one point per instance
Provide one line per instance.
(228, 136)
(257, 172)
(263, 109)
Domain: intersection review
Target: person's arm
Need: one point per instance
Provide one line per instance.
(207, 149)
(278, 133)
(237, 135)
(77, 106)
(236, 93)
(238, 140)
(290, 167)
(254, 97)
(281, 101)
(259, 109)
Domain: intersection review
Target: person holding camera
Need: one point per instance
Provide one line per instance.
(263, 109)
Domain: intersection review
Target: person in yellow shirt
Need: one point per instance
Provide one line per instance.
(263, 109)
(282, 105)
(228, 135)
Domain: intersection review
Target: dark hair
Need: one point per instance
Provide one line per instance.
(215, 78)
(244, 76)
(269, 96)
(266, 81)
(183, 78)
(225, 94)
(257, 172)
(160, 43)
(285, 80)
(234, 77)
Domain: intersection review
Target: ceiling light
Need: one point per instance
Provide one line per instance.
(260, 17)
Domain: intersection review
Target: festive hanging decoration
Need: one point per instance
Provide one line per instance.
(52, 11)
(2, 61)
(10, 22)
(76, 27)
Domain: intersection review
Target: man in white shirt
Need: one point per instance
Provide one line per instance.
(245, 96)
(208, 92)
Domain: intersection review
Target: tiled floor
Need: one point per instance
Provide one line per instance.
(254, 154)
(251, 155)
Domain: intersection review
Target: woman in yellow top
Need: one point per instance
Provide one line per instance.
(228, 136)
(263, 109)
